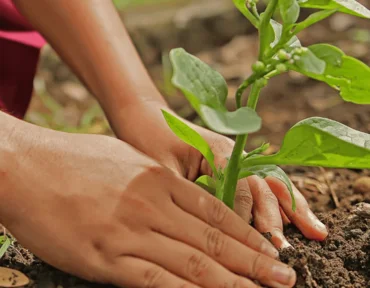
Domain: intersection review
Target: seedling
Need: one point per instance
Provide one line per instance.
(312, 142)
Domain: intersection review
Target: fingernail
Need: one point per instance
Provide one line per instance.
(269, 250)
(283, 275)
(317, 223)
(279, 240)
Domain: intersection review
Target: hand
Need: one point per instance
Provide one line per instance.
(267, 200)
(95, 207)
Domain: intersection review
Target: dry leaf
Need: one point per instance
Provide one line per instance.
(12, 278)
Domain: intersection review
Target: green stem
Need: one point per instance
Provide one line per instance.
(264, 26)
(233, 167)
(242, 87)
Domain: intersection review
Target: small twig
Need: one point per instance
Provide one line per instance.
(309, 274)
(332, 191)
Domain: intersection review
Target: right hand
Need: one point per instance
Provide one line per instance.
(94, 207)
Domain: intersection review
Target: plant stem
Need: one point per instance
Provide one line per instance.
(264, 26)
(233, 167)
(242, 87)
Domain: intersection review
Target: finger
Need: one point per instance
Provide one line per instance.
(266, 212)
(138, 273)
(189, 263)
(243, 200)
(285, 218)
(227, 251)
(207, 208)
(303, 217)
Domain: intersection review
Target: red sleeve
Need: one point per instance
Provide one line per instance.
(19, 53)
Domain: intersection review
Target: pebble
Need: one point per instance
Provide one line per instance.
(362, 209)
(362, 185)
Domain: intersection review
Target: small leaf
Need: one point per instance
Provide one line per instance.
(320, 142)
(264, 171)
(277, 30)
(190, 137)
(242, 121)
(308, 62)
(289, 11)
(346, 6)
(199, 82)
(342, 72)
(207, 183)
(5, 245)
(312, 19)
(12, 278)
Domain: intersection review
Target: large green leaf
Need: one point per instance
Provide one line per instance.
(264, 171)
(207, 91)
(289, 11)
(312, 19)
(346, 6)
(320, 142)
(190, 137)
(342, 72)
(242, 121)
(200, 83)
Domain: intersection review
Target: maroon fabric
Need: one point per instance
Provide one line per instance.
(19, 52)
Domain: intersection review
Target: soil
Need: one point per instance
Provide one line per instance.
(343, 260)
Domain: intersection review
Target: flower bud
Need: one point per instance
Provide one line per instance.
(258, 66)
(283, 55)
(281, 68)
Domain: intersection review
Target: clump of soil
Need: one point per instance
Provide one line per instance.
(342, 260)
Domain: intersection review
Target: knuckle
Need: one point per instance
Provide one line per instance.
(256, 266)
(197, 266)
(270, 197)
(152, 277)
(216, 242)
(218, 211)
(244, 198)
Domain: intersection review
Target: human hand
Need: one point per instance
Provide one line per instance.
(95, 207)
(268, 200)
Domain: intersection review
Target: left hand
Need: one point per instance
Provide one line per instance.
(267, 200)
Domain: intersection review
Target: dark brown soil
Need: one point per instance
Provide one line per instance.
(343, 260)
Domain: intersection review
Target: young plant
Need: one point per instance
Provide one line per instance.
(312, 142)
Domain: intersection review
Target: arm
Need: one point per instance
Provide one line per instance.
(90, 37)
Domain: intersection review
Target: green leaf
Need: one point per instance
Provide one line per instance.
(200, 83)
(346, 6)
(241, 121)
(264, 171)
(308, 62)
(289, 11)
(5, 245)
(320, 142)
(190, 137)
(344, 73)
(206, 91)
(207, 183)
(312, 19)
(277, 31)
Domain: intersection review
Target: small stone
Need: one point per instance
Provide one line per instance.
(362, 209)
(362, 185)
(332, 247)
(356, 232)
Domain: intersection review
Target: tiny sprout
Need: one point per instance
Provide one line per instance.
(258, 66)
(281, 68)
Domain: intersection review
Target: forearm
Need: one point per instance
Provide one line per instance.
(90, 37)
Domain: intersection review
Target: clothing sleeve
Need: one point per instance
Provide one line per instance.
(20, 47)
